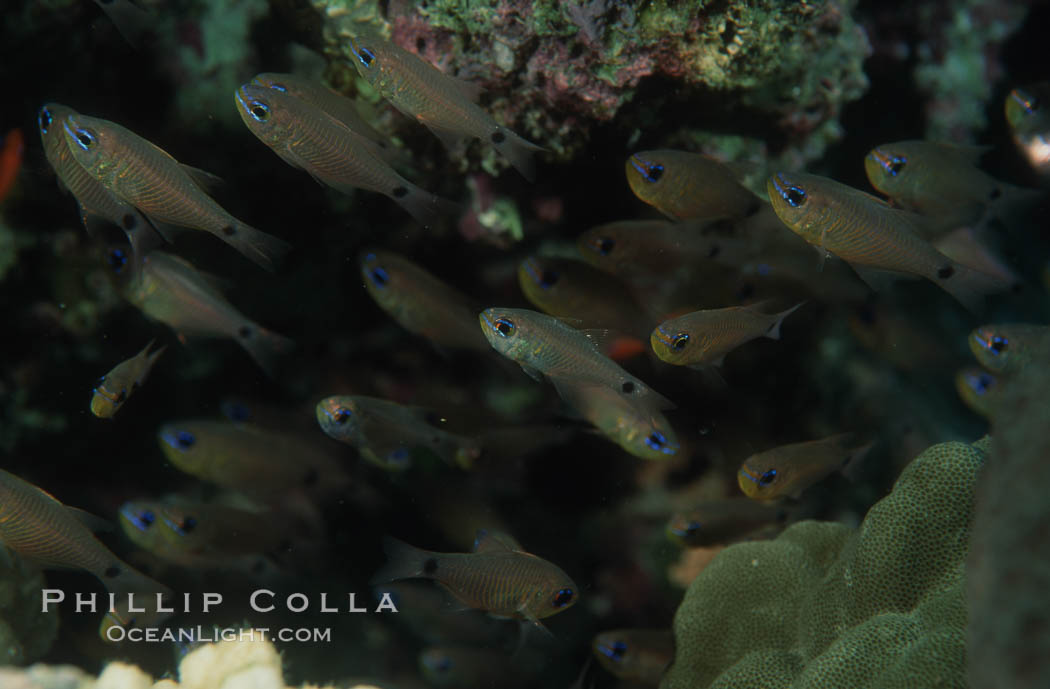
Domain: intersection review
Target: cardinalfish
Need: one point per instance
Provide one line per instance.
(635, 655)
(703, 338)
(642, 432)
(545, 346)
(10, 160)
(257, 461)
(721, 521)
(979, 390)
(308, 138)
(168, 289)
(43, 531)
(443, 104)
(942, 182)
(386, 433)
(113, 389)
(1026, 113)
(95, 201)
(1008, 349)
(205, 535)
(689, 186)
(146, 177)
(420, 302)
(572, 289)
(462, 667)
(870, 236)
(503, 581)
(790, 469)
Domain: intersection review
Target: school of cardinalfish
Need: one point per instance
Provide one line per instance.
(618, 298)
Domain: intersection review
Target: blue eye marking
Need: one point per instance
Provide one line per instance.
(658, 441)
(180, 440)
(187, 525)
(141, 521)
(980, 383)
(651, 172)
(764, 269)
(339, 415)
(279, 87)
(795, 196)
(82, 137)
(504, 327)
(379, 277)
(544, 278)
(365, 56)
(767, 478)
(563, 598)
(614, 651)
(45, 119)
(118, 260)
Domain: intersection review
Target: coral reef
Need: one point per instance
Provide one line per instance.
(825, 605)
(25, 632)
(225, 664)
(555, 69)
(1008, 571)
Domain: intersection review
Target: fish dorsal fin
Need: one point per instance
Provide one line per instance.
(488, 541)
(202, 178)
(468, 89)
(91, 521)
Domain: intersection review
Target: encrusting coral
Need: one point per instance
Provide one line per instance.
(825, 605)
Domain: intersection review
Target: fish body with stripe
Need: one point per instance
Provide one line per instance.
(146, 177)
(503, 581)
(308, 138)
(635, 655)
(642, 432)
(689, 186)
(420, 302)
(703, 338)
(716, 522)
(43, 531)
(169, 289)
(790, 469)
(545, 346)
(870, 235)
(1007, 349)
(979, 390)
(113, 389)
(443, 104)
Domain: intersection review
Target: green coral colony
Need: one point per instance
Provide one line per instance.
(675, 366)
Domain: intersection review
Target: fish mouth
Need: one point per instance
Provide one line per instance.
(485, 318)
(240, 94)
(103, 393)
(881, 158)
(776, 184)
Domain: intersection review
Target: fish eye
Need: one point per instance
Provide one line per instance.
(121, 397)
(655, 173)
(146, 520)
(692, 527)
(100, 382)
(549, 278)
(185, 439)
(379, 277)
(999, 344)
(614, 651)
(118, 260)
(896, 164)
(84, 138)
(259, 110)
(656, 440)
(562, 598)
(606, 245)
(680, 341)
(341, 415)
(366, 57)
(767, 478)
(982, 383)
(504, 326)
(794, 196)
(188, 524)
(45, 118)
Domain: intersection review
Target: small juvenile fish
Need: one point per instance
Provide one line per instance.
(790, 469)
(420, 302)
(10, 160)
(1007, 349)
(168, 289)
(386, 433)
(703, 338)
(253, 460)
(646, 434)
(207, 535)
(572, 289)
(43, 531)
(545, 346)
(1027, 114)
(146, 177)
(443, 104)
(635, 655)
(869, 235)
(94, 200)
(308, 138)
(113, 389)
(720, 521)
(502, 581)
(689, 186)
(941, 181)
(979, 390)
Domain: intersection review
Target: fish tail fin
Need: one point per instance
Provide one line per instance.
(969, 286)
(257, 246)
(425, 207)
(852, 467)
(774, 330)
(264, 346)
(517, 151)
(404, 561)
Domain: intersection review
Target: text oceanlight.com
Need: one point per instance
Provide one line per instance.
(199, 634)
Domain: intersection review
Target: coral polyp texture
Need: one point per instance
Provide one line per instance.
(825, 605)
(552, 70)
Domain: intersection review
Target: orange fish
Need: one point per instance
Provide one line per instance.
(10, 160)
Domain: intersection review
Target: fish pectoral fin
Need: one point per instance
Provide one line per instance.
(450, 139)
(470, 90)
(202, 178)
(91, 521)
(490, 541)
(878, 279)
(532, 372)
